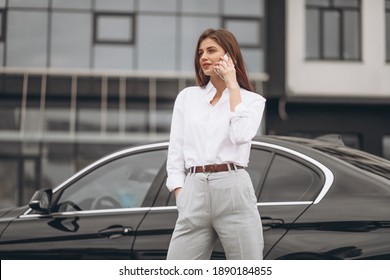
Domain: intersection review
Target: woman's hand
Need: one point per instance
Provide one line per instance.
(227, 70)
(177, 191)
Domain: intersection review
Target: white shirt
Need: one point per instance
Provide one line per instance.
(202, 133)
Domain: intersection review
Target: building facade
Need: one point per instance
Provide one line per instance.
(332, 73)
(82, 78)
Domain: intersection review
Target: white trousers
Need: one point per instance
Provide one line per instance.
(217, 205)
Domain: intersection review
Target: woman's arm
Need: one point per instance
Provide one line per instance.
(175, 160)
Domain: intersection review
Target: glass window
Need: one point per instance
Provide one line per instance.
(158, 5)
(243, 7)
(247, 31)
(89, 117)
(88, 87)
(198, 6)
(346, 3)
(257, 167)
(19, 177)
(254, 59)
(331, 34)
(87, 153)
(149, 56)
(57, 163)
(112, 119)
(57, 116)
(58, 100)
(33, 118)
(333, 29)
(137, 88)
(72, 4)
(27, 38)
(164, 117)
(114, 57)
(121, 183)
(2, 25)
(28, 4)
(114, 28)
(9, 181)
(318, 3)
(167, 89)
(31, 181)
(9, 115)
(137, 118)
(70, 40)
(351, 38)
(289, 180)
(312, 34)
(12, 84)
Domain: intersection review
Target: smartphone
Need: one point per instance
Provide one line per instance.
(216, 71)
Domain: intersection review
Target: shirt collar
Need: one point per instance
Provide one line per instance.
(211, 91)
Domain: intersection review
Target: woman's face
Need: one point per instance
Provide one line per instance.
(210, 52)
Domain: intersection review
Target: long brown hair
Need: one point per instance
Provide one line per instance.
(229, 43)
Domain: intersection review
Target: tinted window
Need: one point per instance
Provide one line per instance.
(257, 167)
(122, 183)
(289, 180)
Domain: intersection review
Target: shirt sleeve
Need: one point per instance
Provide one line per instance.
(175, 161)
(245, 120)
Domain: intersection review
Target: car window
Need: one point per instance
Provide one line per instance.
(121, 183)
(289, 180)
(257, 166)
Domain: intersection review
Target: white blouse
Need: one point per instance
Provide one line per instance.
(202, 133)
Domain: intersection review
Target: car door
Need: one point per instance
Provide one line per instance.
(287, 188)
(284, 183)
(95, 215)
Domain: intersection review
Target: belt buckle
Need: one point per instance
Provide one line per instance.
(214, 168)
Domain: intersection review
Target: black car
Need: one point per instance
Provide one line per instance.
(317, 200)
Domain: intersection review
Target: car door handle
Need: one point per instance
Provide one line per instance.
(114, 232)
(270, 223)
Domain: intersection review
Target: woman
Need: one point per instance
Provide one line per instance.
(212, 128)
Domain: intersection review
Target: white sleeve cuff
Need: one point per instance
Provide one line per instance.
(240, 111)
(175, 181)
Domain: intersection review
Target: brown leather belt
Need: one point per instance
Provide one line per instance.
(214, 168)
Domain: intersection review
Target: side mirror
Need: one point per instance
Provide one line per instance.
(41, 201)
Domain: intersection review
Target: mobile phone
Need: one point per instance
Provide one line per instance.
(226, 55)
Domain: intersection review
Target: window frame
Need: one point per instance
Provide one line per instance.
(259, 20)
(332, 7)
(3, 14)
(97, 41)
(276, 155)
(387, 30)
(121, 154)
(166, 200)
